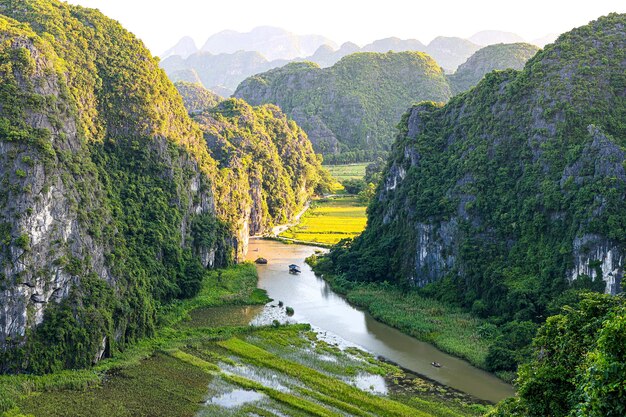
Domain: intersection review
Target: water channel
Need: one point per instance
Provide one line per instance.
(315, 303)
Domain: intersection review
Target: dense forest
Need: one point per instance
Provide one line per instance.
(509, 200)
(112, 204)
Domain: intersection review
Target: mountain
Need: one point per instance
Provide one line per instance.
(450, 52)
(185, 47)
(395, 45)
(268, 161)
(197, 98)
(223, 71)
(494, 57)
(326, 56)
(512, 193)
(353, 106)
(490, 37)
(273, 43)
(112, 205)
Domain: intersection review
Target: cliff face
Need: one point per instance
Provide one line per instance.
(110, 199)
(354, 105)
(514, 190)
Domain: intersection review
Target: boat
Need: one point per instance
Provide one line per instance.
(294, 269)
(261, 261)
(436, 364)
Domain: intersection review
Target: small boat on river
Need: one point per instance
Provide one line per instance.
(294, 269)
(261, 261)
(436, 364)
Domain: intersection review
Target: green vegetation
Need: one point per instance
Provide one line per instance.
(493, 57)
(197, 98)
(141, 207)
(450, 328)
(352, 107)
(347, 171)
(266, 159)
(329, 220)
(490, 202)
(578, 367)
(109, 387)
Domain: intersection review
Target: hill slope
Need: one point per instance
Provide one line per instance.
(495, 57)
(111, 204)
(514, 191)
(354, 105)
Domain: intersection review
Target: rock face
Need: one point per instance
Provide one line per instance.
(514, 190)
(354, 105)
(495, 57)
(111, 203)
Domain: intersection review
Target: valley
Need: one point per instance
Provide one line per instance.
(400, 229)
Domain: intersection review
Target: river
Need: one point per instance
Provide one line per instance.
(315, 303)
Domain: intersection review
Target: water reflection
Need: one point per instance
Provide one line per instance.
(314, 302)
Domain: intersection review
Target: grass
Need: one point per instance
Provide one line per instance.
(329, 220)
(331, 387)
(160, 386)
(451, 329)
(348, 171)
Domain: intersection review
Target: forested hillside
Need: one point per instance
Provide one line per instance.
(510, 198)
(111, 205)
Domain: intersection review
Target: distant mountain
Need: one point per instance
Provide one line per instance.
(395, 45)
(491, 37)
(218, 72)
(185, 47)
(273, 43)
(326, 56)
(493, 57)
(352, 107)
(450, 52)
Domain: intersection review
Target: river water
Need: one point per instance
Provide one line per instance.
(315, 303)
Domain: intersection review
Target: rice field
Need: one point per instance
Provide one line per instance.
(329, 220)
(348, 171)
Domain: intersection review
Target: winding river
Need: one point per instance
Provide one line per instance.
(315, 303)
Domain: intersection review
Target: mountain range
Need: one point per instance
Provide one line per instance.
(228, 57)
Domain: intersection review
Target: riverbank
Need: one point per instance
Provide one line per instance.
(450, 329)
(194, 368)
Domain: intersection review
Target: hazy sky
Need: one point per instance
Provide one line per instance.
(161, 23)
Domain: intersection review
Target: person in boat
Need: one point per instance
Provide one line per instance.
(436, 364)
(294, 268)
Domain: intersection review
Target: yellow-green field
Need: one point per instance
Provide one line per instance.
(347, 172)
(329, 220)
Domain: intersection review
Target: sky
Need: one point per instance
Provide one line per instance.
(161, 23)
